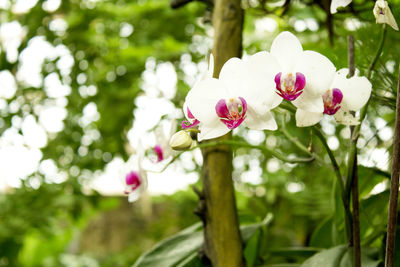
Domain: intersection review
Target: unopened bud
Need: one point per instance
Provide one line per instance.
(383, 14)
(180, 141)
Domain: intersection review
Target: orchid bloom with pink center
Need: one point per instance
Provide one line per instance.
(296, 75)
(162, 149)
(191, 120)
(133, 177)
(239, 96)
(342, 96)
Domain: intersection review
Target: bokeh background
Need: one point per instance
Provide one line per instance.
(83, 83)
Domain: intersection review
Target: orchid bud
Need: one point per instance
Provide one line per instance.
(383, 14)
(180, 141)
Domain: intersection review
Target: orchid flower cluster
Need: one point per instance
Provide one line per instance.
(248, 89)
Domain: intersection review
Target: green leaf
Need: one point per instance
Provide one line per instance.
(173, 250)
(181, 249)
(339, 256)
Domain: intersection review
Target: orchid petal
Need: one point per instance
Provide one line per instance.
(305, 118)
(356, 90)
(210, 71)
(319, 72)
(261, 69)
(335, 4)
(286, 49)
(384, 15)
(212, 130)
(203, 97)
(232, 75)
(260, 120)
(309, 102)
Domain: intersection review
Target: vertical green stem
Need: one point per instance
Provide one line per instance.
(223, 244)
(336, 168)
(394, 188)
(352, 159)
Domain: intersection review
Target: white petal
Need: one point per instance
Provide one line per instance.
(233, 75)
(261, 69)
(308, 102)
(343, 116)
(305, 118)
(335, 4)
(387, 17)
(356, 90)
(318, 70)
(211, 131)
(210, 71)
(203, 97)
(260, 120)
(286, 48)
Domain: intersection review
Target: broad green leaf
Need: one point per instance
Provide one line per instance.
(181, 249)
(171, 251)
(339, 256)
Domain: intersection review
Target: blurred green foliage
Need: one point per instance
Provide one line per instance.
(40, 226)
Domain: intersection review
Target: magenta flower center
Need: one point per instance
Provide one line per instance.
(159, 152)
(332, 99)
(290, 86)
(132, 180)
(191, 122)
(232, 111)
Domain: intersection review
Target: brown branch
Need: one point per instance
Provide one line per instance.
(180, 3)
(394, 188)
(355, 201)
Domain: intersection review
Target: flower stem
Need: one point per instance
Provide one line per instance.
(352, 159)
(336, 168)
(394, 188)
(354, 240)
(240, 144)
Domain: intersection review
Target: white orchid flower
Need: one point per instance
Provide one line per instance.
(191, 120)
(335, 4)
(342, 96)
(134, 177)
(300, 76)
(384, 15)
(162, 148)
(240, 95)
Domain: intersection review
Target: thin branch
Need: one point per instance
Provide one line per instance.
(336, 168)
(175, 4)
(274, 153)
(394, 188)
(355, 238)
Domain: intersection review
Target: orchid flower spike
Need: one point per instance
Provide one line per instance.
(342, 96)
(300, 76)
(133, 177)
(383, 14)
(239, 96)
(335, 4)
(162, 148)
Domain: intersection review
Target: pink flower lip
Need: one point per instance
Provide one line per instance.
(288, 86)
(231, 112)
(159, 152)
(192, 122)
(332, 99)
(133, 181)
